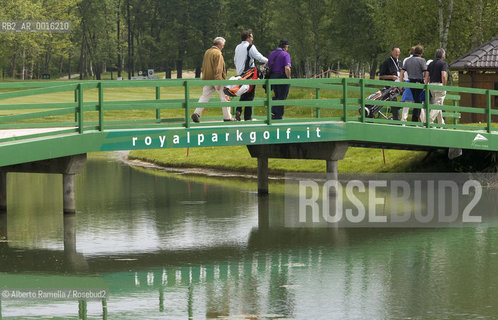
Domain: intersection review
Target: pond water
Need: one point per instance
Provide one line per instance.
(173, 246)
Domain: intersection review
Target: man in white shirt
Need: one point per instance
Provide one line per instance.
(245, 53)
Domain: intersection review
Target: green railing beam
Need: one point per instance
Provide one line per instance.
(362, 99)
(317, 93)
(187, 104)
(268, 102)
(488, 107)
(80, 108)
(345, 97)
(427, 106)
(337, 99)
(158, 97)
(101, 106)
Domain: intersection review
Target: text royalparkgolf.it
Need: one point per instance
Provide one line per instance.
(201, 139)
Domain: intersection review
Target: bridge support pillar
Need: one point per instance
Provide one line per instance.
(68, 200)
(329, 151)
(262, 176)
(3, 226)
(67, 166)
(332, 169)
(3, 191)
(263, 212)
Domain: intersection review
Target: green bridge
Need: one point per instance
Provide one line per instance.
(41, 121)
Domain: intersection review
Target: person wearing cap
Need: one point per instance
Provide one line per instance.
(279, 63)
(213, 68)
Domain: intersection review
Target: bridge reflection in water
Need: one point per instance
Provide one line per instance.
(275, 269)
(169, 256)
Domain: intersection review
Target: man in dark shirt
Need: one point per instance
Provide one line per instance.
(438, 75)
(438, 69)
(279, 62)
(389, 70)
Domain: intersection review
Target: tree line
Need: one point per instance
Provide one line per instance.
(172, 35)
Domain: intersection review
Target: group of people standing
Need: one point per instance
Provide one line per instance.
(213, 68)
(416, 69)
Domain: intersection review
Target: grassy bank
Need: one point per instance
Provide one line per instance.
(238, 159)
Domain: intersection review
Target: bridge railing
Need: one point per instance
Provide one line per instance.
(78, 107)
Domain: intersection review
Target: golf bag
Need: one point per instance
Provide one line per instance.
(386, 94)
(239, 89)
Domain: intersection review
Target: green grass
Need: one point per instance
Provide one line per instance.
(238, 159)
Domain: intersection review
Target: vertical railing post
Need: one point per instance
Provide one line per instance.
(101, 106)
(362, 99)
(318, 115)
(80, 108)
(345, 95)
(455, 104)
(82, 310)
(268, 102)
(187, 104)
(158, 97)
(76, 100)
(104, 309)
(427, 106)
(488, 105)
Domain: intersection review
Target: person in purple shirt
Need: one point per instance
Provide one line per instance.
(279, 62)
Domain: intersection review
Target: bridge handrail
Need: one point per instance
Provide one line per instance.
(351, 96)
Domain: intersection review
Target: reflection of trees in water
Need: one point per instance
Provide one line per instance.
(34, 208)
(401, 271)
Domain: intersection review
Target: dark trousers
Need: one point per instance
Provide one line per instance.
(248, 96)
(416, 97)
(395, 111)
(281, 91)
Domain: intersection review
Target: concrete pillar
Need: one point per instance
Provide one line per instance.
(263, 212)
(262, 175)
(332, 174)
(329, 151)
(3, 191)
(68, 201)
(3, 226)
(74, 261)
(67, 166)
(332, 169)
(69, 234)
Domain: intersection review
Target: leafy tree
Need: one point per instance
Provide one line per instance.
(173, 34)
(97, 35)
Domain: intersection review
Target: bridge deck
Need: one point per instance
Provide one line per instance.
(38, 131)
(26, 133)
